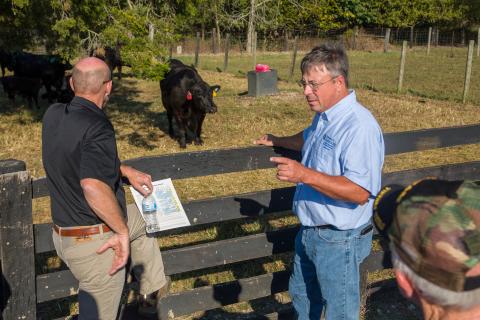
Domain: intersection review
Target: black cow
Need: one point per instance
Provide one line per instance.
(50, 68)
(6, 61)
(112, 58)
(66, 95)
(188, 98)
(26, 87)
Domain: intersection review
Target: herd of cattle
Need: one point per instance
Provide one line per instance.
(185, 95)
(31, 72)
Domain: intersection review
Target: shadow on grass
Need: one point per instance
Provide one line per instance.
(388, 304)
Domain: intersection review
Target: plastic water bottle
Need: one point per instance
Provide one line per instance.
(149, 210)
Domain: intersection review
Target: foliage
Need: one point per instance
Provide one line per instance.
(72, 28)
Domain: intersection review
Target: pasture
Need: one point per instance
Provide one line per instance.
(142, 129)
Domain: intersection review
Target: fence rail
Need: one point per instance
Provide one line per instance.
(21, 240)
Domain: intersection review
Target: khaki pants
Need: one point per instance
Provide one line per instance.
(99, 294)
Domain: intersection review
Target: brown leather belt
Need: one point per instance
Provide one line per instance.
(81, 231)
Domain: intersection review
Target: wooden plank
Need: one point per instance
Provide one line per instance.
(43, 237)
(40, 188)
(426, 139)
(16, 247)
(11, 165)
(276, 200)
(210, 297)
(468, 70)
(56, 285)
(228, 251)
(401, 71)
(204, 163)
(468, 170)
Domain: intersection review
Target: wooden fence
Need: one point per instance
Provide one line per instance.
(22, 289)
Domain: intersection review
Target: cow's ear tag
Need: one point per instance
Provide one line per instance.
(214, 93)
(189, 95)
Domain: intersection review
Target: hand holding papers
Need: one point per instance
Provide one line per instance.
(169, 213)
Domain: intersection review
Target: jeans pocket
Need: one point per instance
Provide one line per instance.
(363, 244)
(334, 236)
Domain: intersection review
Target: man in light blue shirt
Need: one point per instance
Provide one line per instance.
(337, 181)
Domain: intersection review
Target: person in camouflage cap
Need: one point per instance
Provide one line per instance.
(434, 228)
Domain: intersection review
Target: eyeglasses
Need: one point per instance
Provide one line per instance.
(106, 81)
(312, 84)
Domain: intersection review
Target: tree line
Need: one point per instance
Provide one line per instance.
(144, 28)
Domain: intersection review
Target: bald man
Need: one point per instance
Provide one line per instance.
(93, 233)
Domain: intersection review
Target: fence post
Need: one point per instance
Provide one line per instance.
(214, 41)
(386, 41)
(227, 47)
(355, 34)
(429, 39)
(478, 43)
(411, 37)
(402, 66)
(197, 49)
(437, 36)
(468, 70)
(452, 43)
(294, 58)
(285, 46)
(254, 49)
(17, 253)
(151, 32)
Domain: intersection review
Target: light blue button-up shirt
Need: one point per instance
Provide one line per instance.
(345, 140)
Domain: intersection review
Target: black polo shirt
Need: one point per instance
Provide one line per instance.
(78, 141)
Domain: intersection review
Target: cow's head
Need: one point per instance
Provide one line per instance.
(202, 96)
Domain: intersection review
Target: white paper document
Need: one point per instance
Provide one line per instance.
(170, 213)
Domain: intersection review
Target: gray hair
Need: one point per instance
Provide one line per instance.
(433, 293)
(332, 55)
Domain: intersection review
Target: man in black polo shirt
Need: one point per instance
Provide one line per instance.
(92, 233)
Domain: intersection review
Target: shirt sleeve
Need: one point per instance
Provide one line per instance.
(362, 157)
(99, 154)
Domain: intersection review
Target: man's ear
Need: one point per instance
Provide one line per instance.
(109, 87)
(405, 285)
(71, 84)
(341, 81)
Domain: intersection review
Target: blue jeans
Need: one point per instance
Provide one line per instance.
(326, 272)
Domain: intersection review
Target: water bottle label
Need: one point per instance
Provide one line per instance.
(149, 207)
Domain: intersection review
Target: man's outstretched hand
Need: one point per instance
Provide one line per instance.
(289, 170)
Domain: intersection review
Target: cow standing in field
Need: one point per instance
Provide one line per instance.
(188, 98)
(49, 68)
(25, 87)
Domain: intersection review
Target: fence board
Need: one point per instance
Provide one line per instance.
(228, 251)
(204, 163)
(56, 285)
(467, 170)
(17, 254)
(206, 298)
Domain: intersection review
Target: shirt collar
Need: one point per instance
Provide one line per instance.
(79, 102)
(340, 107)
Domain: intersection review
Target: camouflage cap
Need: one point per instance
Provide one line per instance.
(436, 231)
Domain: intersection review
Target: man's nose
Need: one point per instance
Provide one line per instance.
(307, 90)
